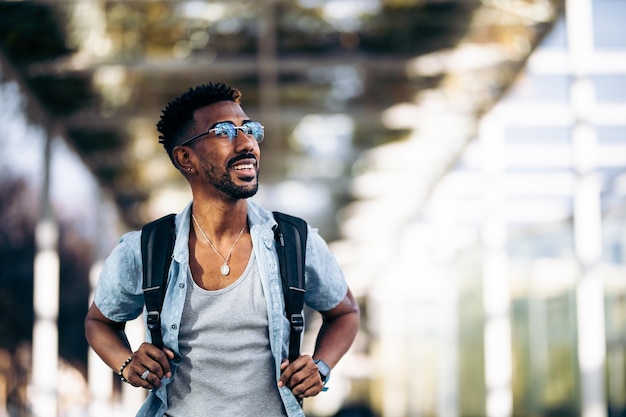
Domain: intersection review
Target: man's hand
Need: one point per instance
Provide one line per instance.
(301, 376)
(152, 363)
(108, 340)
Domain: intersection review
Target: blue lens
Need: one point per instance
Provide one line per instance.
(228, 129)
(255, 129)
(225, 129)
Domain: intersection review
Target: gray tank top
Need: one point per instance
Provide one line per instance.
(224, 342)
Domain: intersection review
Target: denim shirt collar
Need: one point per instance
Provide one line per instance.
(260, 222)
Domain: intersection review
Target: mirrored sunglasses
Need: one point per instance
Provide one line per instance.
(230, 131)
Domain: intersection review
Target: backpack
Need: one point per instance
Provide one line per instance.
(157, 245)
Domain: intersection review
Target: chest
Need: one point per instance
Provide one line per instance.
(212, 270)
(240, 305)
(233, 319)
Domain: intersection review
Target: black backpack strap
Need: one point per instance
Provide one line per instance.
(291, 235)
(157, 245)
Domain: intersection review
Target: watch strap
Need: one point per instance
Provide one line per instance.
(324, 371)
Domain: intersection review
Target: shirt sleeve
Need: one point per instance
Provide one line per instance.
(119, 295)
(326, 286)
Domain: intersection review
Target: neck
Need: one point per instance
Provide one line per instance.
(220, 219)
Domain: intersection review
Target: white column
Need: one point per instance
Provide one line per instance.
(445, 225)
(394, 368)
(46, 304)
(497, 330)
(587, 214)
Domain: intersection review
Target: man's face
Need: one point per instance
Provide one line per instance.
(231, 167)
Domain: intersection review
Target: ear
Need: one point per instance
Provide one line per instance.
(182, 158)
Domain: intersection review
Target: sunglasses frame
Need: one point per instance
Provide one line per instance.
(247, 128)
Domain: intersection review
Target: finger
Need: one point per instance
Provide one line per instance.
(311, 391)
(306, 381)
(138, 375)
(295, 381)
(301, 389)
(159, 363)
(308, 387)
(284, 376)
(290, 371)
(169, 353)
(145, 375)
(152, 379)
(133, 375)
(147, 358)
(155, 359)
(148, 364)
(154, 369)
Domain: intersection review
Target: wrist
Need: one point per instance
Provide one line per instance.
(323, 369)
(123, 367)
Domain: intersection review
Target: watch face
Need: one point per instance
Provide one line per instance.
(323, 369)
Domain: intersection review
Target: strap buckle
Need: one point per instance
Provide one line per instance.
(297, 323)
(153, 320)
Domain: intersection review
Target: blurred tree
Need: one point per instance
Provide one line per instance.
(18, 217)
(76, 257)
(17, 250)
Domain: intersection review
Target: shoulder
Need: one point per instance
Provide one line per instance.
(258, 214)
(118, 293)
(129, 245)
(125, 257)
(325, 281)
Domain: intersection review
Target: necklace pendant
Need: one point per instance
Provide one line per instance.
(225, 269)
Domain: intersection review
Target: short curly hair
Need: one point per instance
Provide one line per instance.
(177, 116)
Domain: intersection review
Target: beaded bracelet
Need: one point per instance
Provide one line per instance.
(130, 358)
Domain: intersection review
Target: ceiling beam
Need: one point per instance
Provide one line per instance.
(302, 64)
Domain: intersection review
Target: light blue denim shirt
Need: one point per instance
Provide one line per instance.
(119, 295)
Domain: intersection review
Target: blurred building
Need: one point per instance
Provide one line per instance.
(466, 159)
(500, 292)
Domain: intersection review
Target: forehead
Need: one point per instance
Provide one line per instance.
(219, 112)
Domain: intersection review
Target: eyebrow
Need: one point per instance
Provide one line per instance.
(229, 121)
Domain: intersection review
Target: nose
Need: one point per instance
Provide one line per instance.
(245, 140)
(241, 129)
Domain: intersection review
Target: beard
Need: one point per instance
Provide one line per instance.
(221, 179)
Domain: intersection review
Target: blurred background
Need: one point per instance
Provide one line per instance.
(465, 159)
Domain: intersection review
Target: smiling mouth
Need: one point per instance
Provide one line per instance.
(243, 167)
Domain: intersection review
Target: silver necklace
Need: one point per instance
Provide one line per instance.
(225, 269)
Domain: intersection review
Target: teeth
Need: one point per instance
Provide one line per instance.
(245, 166)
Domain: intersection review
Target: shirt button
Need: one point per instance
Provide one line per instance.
(174, 326)
(181, 285)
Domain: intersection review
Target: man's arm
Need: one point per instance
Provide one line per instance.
(335, 337)
(108, 339)
(338, 331)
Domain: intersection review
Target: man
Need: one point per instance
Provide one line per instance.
(224, 327)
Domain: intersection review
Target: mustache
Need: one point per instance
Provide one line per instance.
(240, 157)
